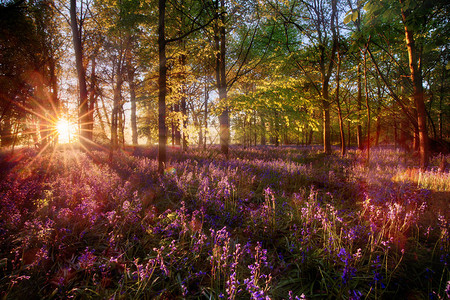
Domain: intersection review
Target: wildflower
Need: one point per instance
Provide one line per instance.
(87, 259)
(447, 289)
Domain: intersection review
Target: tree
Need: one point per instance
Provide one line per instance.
(423, 22)
(83, 109)
(322, 24)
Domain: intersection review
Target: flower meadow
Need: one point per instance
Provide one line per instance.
(266, 223)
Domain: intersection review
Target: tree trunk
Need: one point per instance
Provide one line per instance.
(359, 138)
(83, 105)
(263, 131)
(326, 120)
(115, 110)
(277, 129)
(416, 78)
(220, 47)
(132, 85)
(206, 113)
(366, 90)
(184, 121)
(162, 84)
(341, 122)
(92, 100)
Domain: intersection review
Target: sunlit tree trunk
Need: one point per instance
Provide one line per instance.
(184, 120)
(366, 90)
(263, 130)
(92, 100)
(220, 48)
(341, 122)
(162, 85)
(176, 125)
(206, 114)
(359, 138)
(132, 85)
(116, 109)
(83, 105)
(416, 78)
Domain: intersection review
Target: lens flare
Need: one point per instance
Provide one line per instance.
(66, 131)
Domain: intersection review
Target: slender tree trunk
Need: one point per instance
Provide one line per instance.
(359, 138)
(263, 131)
(416, 78)
(116, 109)
(206, 114)
(277, 129)
(184, 121)
(83, 105)
(441, 98)
(54, 94)
(366, 90)
(341, 122)
(177, 132)
(132, 85)
(92, 100)
(224, 118)
(326, 121)
(326, 78)
(162, 83)
(200, 131)
(349, 134)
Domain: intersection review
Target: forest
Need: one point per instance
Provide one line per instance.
(211, 149)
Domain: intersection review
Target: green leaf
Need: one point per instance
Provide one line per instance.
(347, 18)
(354, 15)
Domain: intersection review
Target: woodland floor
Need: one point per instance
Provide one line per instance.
(269, 222)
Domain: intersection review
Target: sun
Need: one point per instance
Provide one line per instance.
(66, 131)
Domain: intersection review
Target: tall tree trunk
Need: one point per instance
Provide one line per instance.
(177, 132)
(326, 74)
(116, 109)
(326, 119)
(277, 129)
(132, 85)
(220, 47)
(162, 84)
(359, 138)
(263, 130)
(341, 122)
(54, 94)
(83, 105)
(441, 98)
(206, 113)
(366, 90)
(416, 78)
(184, 121)
(92, 100)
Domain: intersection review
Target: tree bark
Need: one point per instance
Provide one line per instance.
(366, 90)
(359, 138)
(341, 122)
(83, 105)
(162, 84)
(115, 111)
(416, 78)
(132, 85)
(206, 114)
(220, 47)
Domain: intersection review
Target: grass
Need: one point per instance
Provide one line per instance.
(268, 223)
